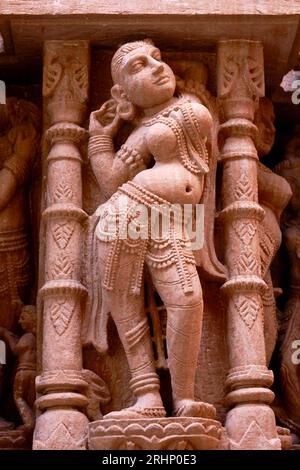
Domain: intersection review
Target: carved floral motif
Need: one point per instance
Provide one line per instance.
(61, 313)
(248, 309)
(63, 267)
(165, 434)
(62, 233)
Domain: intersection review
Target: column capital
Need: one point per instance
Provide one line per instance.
(65, 81)
(240, 72)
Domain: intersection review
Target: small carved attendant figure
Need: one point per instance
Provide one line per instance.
(274, 194)
(163, 162)
(24, 348)
(289, 412)
(19, 123)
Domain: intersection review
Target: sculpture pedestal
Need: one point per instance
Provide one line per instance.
(156, 434)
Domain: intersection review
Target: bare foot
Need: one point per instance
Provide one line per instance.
(136, 412)
(196, 409)
(148, 405)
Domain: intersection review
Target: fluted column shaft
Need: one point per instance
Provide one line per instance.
(63, 423)
(250, 422)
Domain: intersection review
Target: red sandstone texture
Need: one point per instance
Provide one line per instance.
(139, 336)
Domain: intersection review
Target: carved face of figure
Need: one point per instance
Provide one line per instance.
(264, 120)
(28, 319)
(145, 78)
(292, 172)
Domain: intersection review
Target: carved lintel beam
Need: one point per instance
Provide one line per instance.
(63, 423)
(250, 421)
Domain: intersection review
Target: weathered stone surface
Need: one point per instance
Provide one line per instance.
(148, 343)
(153, 434)
(178, 7)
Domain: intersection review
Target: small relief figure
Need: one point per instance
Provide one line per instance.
(19, 138)
(192, 82)
(289, 353)
(274, 194)
(24, 348)
(97, 394)
(163, 166)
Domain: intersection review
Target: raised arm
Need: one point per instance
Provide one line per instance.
(10, 338)
(17, 166)
(111, 169)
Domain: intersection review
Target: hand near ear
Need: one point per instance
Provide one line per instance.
(106, 120)
(125, 109)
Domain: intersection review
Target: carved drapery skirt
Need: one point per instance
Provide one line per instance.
(132, 221)
(14, 272)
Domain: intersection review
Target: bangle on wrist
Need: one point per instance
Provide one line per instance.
(100, 143)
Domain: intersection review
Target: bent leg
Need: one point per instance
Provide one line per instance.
(22, 384)
(127, 311)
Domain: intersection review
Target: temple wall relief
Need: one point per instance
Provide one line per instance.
(135, 336)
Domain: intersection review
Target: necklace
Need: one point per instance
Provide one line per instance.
(163, 113)
(186, 128)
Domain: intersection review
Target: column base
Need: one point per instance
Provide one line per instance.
(157, 434)
(252, 427)
(58, 429)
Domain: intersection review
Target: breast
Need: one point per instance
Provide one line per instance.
(273, 190)
(161, 142)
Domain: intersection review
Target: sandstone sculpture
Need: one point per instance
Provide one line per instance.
(24, 348)
(289, 380)
(120, 307)
(274, 194)
(19, 142)
(211, 141)
(62, 380)
(163, 162)
(250, 421)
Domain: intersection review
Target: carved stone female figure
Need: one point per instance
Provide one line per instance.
(289, 411)
(163, 162)
(19, 122)
(274, 194)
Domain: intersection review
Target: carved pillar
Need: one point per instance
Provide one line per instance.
(250, 422)
(62, 423)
